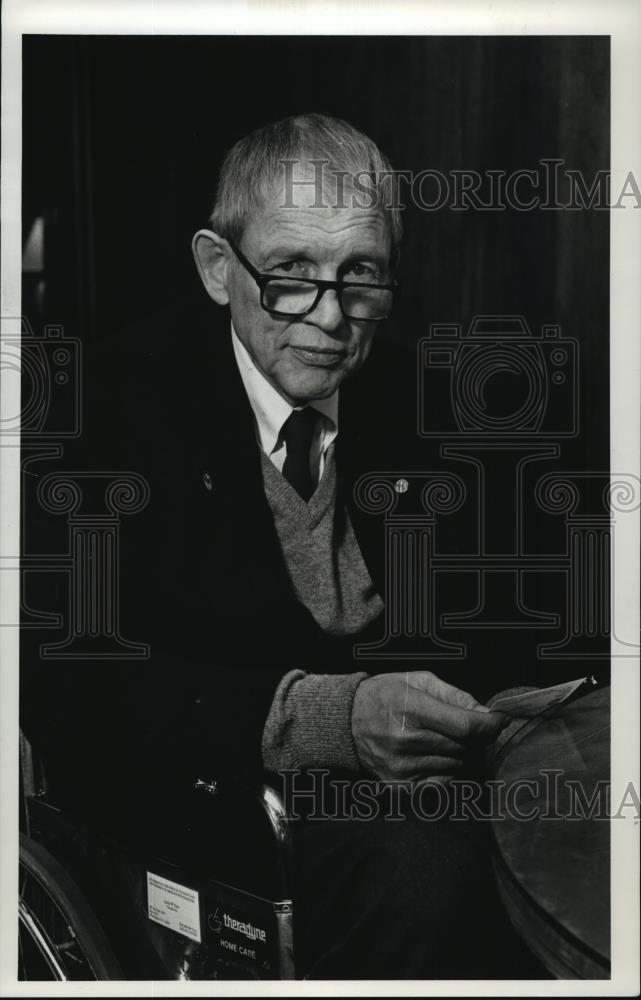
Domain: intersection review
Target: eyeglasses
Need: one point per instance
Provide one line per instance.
(287, 297)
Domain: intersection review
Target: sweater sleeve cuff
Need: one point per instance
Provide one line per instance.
(310, 722)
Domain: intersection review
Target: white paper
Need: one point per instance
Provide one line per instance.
(532, 703)
(174, 906)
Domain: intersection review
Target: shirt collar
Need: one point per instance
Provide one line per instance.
(270, 409)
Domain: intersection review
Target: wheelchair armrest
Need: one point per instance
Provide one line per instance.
(274, 807)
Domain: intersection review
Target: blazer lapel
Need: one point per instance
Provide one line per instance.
(246, 555)
(355, 453)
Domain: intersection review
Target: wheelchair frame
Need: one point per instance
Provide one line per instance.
(94, 908)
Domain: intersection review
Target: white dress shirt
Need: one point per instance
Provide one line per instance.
(271, 411)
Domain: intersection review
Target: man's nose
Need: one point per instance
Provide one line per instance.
(327, 314)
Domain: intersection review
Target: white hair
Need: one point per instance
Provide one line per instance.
(254, 165)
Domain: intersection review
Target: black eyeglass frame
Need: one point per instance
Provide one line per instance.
(322, 285)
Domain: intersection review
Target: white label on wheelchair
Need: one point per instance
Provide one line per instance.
(174, 906)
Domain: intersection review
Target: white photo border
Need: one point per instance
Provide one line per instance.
(621, 20)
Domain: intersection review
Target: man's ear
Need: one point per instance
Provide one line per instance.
(211, 256)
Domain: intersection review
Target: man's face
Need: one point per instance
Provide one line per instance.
(307, 358)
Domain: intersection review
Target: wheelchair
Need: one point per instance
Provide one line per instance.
(203, 897)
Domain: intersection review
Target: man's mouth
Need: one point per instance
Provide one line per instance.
(318, 357)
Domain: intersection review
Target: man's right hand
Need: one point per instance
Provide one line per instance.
(412, 726)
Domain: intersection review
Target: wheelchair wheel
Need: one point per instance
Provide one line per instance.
(59, 937)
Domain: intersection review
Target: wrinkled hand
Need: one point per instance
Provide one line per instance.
(412, 726)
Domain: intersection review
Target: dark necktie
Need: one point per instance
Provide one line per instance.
(298, 432)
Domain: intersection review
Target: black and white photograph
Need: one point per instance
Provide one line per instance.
(319, 580)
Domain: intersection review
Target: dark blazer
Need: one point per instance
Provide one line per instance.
(202, 576)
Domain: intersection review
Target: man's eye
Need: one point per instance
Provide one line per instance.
(362, 272)
(297, 268)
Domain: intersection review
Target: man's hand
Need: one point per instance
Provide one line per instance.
(412, 726)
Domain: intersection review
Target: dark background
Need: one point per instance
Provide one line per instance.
(122, 139)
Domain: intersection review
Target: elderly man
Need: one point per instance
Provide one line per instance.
(303, 253)
(253, 572)
(307, 270)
